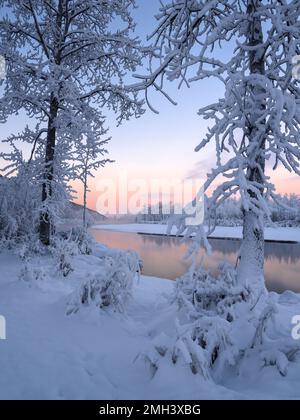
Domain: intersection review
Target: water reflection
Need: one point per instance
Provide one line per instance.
(162, 256)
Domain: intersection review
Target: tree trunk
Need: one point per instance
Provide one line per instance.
(84, 201)
(251, 265)
(45, 219)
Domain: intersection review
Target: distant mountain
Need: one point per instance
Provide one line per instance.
(74, 214)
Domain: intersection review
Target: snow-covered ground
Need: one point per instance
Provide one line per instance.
(282, 234)
(98, 355)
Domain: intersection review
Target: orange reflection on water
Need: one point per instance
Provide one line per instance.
(162, 256)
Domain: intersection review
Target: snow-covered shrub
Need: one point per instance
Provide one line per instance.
(270, 346)
(18, 203)
(221, 325)
(66, 246)
(33, 273)
(208, 307)
(29, 248)
(201, 292)
(84, 241)
(108, 287)
(63, 251)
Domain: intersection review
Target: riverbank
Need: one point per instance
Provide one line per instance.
(276, 234)
(101, 355)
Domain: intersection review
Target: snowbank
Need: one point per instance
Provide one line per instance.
(99, 354)
(279, 234)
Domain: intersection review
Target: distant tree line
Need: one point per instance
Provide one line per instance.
(284, 212)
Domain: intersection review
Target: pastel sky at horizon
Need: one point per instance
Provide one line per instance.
(162, 146)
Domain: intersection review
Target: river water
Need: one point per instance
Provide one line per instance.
(162, 256)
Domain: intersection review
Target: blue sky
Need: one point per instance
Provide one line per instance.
(154, 143)
(162, 145)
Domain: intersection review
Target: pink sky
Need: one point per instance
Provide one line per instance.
(285, 183)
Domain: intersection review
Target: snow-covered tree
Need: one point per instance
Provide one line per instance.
(66, 61)
(26, 175)
(257, 121)
(89, 154)
(225, 317)
(18, 204)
